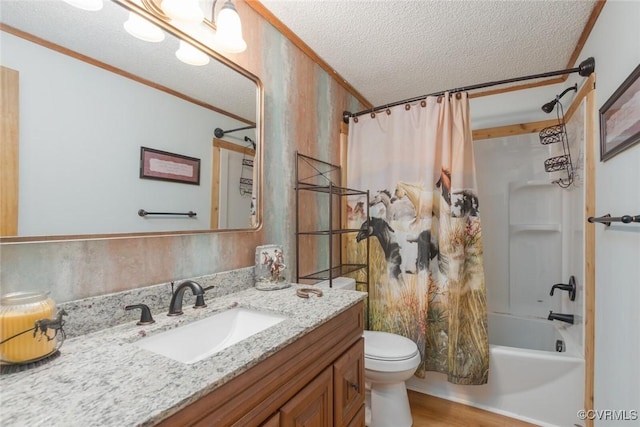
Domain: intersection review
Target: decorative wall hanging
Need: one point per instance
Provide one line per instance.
(165, 166)
(620, 118)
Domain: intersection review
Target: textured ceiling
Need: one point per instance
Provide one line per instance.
(389, 50)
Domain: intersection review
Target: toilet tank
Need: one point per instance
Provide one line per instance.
(339, 283)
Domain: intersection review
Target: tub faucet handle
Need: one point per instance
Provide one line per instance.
(570, 287)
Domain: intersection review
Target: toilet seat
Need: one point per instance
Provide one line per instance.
(389, 352)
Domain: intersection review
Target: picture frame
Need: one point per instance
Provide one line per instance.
(620, 118)
(165, 166)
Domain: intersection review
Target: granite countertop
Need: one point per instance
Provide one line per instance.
(102, 379)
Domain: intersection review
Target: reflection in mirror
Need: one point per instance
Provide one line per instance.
(87, 97)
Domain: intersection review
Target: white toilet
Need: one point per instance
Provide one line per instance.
(389, 360)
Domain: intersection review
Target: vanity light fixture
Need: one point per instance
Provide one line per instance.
(91, 5)
(229, 29)
(143, 29)
(191, 55)
(184, 11)
(226, 24)
(224, 31)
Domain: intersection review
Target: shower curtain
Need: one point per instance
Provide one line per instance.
(426, 279)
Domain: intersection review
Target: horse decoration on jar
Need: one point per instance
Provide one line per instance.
(269, 269)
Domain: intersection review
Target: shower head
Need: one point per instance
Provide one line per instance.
(549, 106)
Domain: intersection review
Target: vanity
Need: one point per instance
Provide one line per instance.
(316, 380)
(307, 369)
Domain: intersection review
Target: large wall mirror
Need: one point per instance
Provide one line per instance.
(117, 136)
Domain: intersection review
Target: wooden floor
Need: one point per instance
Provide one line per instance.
(430, 411)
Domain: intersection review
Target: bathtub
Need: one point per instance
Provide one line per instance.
(528, 379)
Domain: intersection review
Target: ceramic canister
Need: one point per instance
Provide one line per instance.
(21, 342)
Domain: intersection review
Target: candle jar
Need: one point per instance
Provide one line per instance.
(21, 339)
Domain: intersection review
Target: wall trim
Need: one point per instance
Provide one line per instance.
(591, 143)
(9, 150)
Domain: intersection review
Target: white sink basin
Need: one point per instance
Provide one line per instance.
(202, 338)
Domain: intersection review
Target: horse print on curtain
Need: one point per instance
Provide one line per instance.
(426, 278)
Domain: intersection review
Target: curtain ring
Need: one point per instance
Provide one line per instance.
(407, 107)
(439, 101)
(423, 103)
(373, 115)
(355, 120)
(458, 95)
(388, 111)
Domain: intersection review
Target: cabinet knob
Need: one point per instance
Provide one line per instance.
(355, 386)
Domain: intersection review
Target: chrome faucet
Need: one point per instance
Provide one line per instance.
(561, 316)
(175, 307)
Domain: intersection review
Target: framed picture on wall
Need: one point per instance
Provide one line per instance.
(165, 166)
(620, 118)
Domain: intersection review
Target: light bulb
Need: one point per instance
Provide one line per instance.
(191, 55)
(185, 11)
(143, 29)
(229, 29)
(91, 5)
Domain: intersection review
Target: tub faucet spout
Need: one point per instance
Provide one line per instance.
(561, 316)
(175, 307)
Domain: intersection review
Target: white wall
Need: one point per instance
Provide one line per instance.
(81, 129)
(233, 202)
(499, 163)
(615, 43)
(573, 226)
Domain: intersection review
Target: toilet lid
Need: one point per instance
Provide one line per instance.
(386, 346)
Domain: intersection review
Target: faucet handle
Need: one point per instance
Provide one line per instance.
(570, 287)
(145, 316)
(200, 302)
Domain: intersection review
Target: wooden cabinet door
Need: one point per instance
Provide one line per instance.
(274, 421)
(348, 383)
(312, 406)
(358, 420)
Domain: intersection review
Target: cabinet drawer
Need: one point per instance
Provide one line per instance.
(348, 384)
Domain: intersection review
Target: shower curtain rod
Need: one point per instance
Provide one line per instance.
(585, 69)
